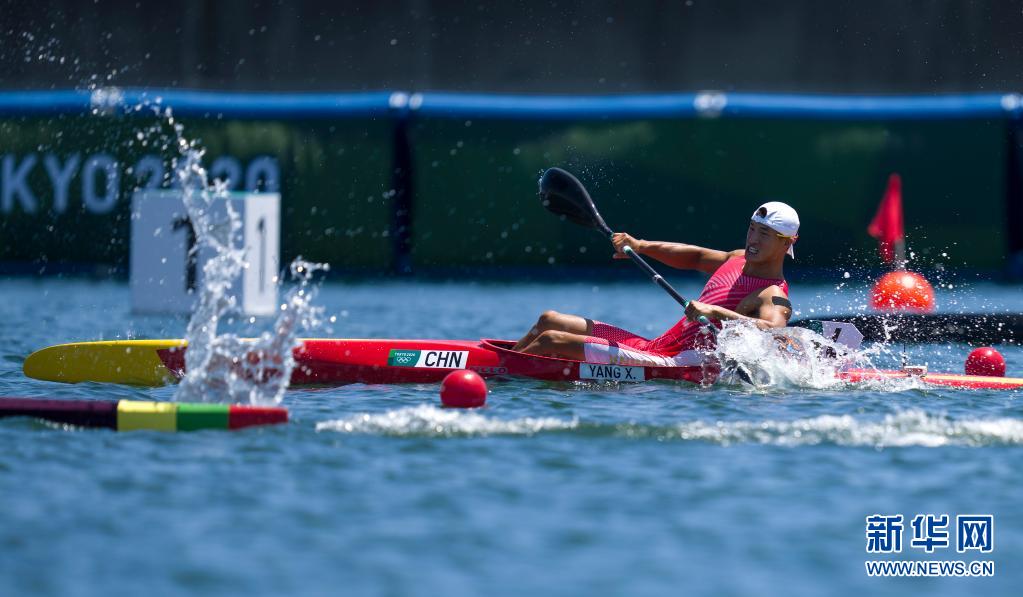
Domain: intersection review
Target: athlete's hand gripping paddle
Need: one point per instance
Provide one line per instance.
(563, 194)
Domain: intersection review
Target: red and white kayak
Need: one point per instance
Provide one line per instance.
(331, 362)
(425, 361)
(328, 362)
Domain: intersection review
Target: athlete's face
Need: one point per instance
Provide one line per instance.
(763, 245)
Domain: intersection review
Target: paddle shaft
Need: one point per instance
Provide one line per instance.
(660, 281)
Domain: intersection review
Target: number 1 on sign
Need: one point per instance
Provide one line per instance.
(191, 253)
(261, 226)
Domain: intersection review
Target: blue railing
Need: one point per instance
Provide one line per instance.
(201, 103)
(532, 107)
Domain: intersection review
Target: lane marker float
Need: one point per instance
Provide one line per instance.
(132, 415)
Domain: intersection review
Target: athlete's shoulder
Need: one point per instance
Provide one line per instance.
(734, 260)
(712, 261)
(770, 300)
(774, 293)
(765, 294)
(727, 270)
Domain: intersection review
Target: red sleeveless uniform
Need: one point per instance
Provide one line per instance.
(726, 288)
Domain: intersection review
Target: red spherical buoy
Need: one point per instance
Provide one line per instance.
(902, 291)
(985, 361)
(463, 389)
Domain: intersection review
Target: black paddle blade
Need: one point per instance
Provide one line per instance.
(563, 194)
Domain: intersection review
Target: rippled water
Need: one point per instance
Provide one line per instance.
(552, 488)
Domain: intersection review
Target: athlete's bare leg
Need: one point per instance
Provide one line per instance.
(560, 322)
(554, 343)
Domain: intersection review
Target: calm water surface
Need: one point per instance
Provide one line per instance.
(551, 489)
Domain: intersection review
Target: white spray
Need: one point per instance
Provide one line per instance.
(787, 358)
(220, 366)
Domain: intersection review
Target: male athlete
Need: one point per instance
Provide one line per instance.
(745, 284)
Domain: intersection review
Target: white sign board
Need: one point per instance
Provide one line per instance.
(166, 265)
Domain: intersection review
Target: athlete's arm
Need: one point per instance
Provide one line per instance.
(767, 309)
(676, 255)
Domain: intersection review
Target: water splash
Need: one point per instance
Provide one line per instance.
(906, 428)
(227, 368)
(901, 429)
(431, 421)
(220, 366)
(791, 358)
(773, 360)
(219, 271)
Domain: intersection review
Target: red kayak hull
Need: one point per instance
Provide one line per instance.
(333, 362)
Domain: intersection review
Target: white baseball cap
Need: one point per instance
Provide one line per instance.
(781, 218)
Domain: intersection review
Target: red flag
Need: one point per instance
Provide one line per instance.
(886, 226)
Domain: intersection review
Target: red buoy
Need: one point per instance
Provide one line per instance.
(902, 291)
(463, 389)
(985, 361)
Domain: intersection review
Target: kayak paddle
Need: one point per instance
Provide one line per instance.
(563, 194)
